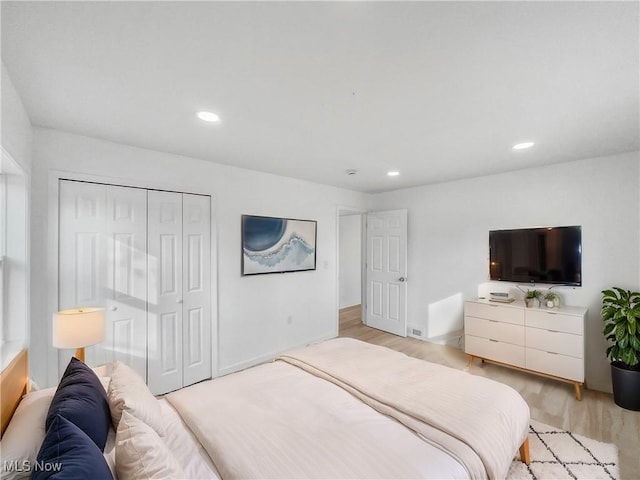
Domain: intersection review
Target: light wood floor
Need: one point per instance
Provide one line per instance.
(551, 402)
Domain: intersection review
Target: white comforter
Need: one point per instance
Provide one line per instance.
(277, 421)
(472, 418)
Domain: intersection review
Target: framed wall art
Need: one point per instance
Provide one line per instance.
(277, 245)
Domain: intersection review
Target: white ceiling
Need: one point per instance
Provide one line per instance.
(436, 90)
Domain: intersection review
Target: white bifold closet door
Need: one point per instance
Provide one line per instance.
(102, 262)
(178, 290)
(144, 256)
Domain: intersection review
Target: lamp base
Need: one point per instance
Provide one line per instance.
(80, 354)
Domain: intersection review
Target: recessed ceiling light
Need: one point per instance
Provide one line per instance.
(522, 146)
(393, 173)
(208, 116)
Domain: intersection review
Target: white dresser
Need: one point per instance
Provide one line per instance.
(545, 341)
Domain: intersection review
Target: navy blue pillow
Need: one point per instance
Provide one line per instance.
(67, 453)
(82, 400)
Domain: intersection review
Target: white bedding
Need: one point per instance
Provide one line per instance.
(110, 451)
(315, 414)
(325, 432)
(185, 447)
(478, 421)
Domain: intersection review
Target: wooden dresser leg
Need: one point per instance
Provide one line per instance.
(470, 360)
(525, 455)
(576, 386)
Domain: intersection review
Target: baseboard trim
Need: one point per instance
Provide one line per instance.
(349, 308)
(252, 362)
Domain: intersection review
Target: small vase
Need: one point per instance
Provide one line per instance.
(528, 302)
(551, 304)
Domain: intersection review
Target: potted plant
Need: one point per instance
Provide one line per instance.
(552, 299)
(621, 315)
(531, 296)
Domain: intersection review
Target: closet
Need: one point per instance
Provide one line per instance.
(145, 256)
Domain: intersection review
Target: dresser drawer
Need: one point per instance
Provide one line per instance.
(556, 342)
(549, 320)
(499, 313)
(495, 350)
(504, 332)
(555, 364)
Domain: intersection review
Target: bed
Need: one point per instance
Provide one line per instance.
(338, 409)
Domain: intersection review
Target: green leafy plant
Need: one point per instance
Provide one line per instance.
(551, 296)
(533, 294)
(621, 315)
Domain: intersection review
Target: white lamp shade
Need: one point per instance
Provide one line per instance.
(78, 327)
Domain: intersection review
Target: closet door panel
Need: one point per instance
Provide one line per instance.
(81, 260)
(164, 287)
(81, 226)
(126, 288)
(197, 287)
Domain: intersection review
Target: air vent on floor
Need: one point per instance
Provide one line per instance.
(416, 332)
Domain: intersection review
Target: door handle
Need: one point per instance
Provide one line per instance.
(179, 300)
(113, 308)
(402, 279)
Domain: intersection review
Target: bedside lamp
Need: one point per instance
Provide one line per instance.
(78, 328)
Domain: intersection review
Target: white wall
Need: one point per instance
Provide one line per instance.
(449, 225)
(253, 312)
(15, 141)
(350, 261)
(15, 129)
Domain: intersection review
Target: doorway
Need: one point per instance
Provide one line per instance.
(350, 271)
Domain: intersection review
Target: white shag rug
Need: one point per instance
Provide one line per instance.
(558, 454)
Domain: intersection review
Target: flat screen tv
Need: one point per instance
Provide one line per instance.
(537, 255)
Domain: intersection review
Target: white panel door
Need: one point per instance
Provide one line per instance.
(102, 263)
(125, 292)
(386, 296)
(165, 300)
(196, 255)
(81, 244)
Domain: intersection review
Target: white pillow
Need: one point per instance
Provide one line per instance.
(23, 437)
(141, 453)
(128, 391)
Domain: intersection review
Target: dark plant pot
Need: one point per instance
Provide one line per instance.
(626, 387)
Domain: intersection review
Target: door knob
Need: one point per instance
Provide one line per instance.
(179, 300)
(402, 279)
(113, 308)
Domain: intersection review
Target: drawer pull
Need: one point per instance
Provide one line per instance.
(552, 353)
(553, 331)
(551, 313)
(492, 340)
(494, 321)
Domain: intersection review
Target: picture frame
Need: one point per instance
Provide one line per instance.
(277, 245)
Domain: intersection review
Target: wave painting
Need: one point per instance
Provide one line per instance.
(277, 245)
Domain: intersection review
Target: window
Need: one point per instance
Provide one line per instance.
(14, 257)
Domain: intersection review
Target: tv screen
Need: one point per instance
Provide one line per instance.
(537, 255)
